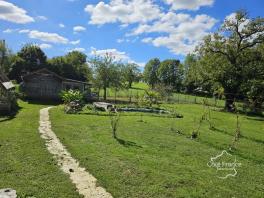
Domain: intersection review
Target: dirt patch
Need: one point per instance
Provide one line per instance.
(83, 180)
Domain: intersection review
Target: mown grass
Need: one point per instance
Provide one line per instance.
(25, 164)
(151, 160)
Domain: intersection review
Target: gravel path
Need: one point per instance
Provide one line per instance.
(83, 180)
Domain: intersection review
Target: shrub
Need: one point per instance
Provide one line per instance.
(73, 101)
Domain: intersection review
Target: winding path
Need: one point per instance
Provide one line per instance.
(83, 180)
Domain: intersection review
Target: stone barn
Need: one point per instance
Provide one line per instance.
(7, 89)
(46, 85)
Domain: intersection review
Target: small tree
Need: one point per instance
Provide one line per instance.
(104, 67)
(237, 134)
(151, 97)
(114, 121)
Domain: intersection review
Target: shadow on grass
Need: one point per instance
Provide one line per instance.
(256, 118)
(7, 118)
(10, 116)
(127, 143)
(44, 102)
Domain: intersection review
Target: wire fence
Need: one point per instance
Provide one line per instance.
(241, 102)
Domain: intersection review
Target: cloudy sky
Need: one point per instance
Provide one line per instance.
(133, 30)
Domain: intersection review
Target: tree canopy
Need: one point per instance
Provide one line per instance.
(227, 53)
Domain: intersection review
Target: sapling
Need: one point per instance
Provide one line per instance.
(237, 134)
(114, 120)
(174, 116)
(141, 118)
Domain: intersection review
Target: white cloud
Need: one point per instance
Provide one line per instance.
(179, 32)
(183, 34)
(12, 13)
(125, 12)
(47, 37)
(80, 49)
(120, 40)
(118, 55)
(45, 46)
(188, 4)
(8, 31)
(167, 23)
(147, 40)
(77, 29)
(23, 31)
(61, 25)
(75, 42)
(43, 18)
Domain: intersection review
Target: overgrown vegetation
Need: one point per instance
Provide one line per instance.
(73, 101)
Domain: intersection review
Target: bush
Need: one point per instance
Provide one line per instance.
(73, 101)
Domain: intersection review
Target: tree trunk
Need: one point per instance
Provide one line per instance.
(229, 103)
(115, 95)
(105, 93)
(130, 84)
(257, 107)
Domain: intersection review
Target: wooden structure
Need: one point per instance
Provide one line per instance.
(6, 90)
(46, 85)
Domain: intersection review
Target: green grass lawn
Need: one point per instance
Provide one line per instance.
(25, 164)
(153, 161)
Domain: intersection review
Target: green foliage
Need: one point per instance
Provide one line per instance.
(227, 55)
(170, 73)
(130, 72)
(73, 65)
(6, 57)
(28, 59)
(114, 120)
(164, 91)
(107, 73)
(151, 97)
(151, 72)
(73, 101)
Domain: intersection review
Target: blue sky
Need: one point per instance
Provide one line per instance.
(133, 31)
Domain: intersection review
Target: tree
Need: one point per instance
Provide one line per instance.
(6, 57)
(191, 80)
(73, 65)
(29, 58)
(170, 73)
(233, 45)
(130, 73)
(103, 67)
(151, 72)
(253, 84)
(117, 80)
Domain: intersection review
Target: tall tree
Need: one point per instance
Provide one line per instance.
(170, 73)
(233, 45)
(29, 58)
(73, 65)
(103, 67)
(130, 73)
(191, 73)
(151, 72)
(6, 57)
